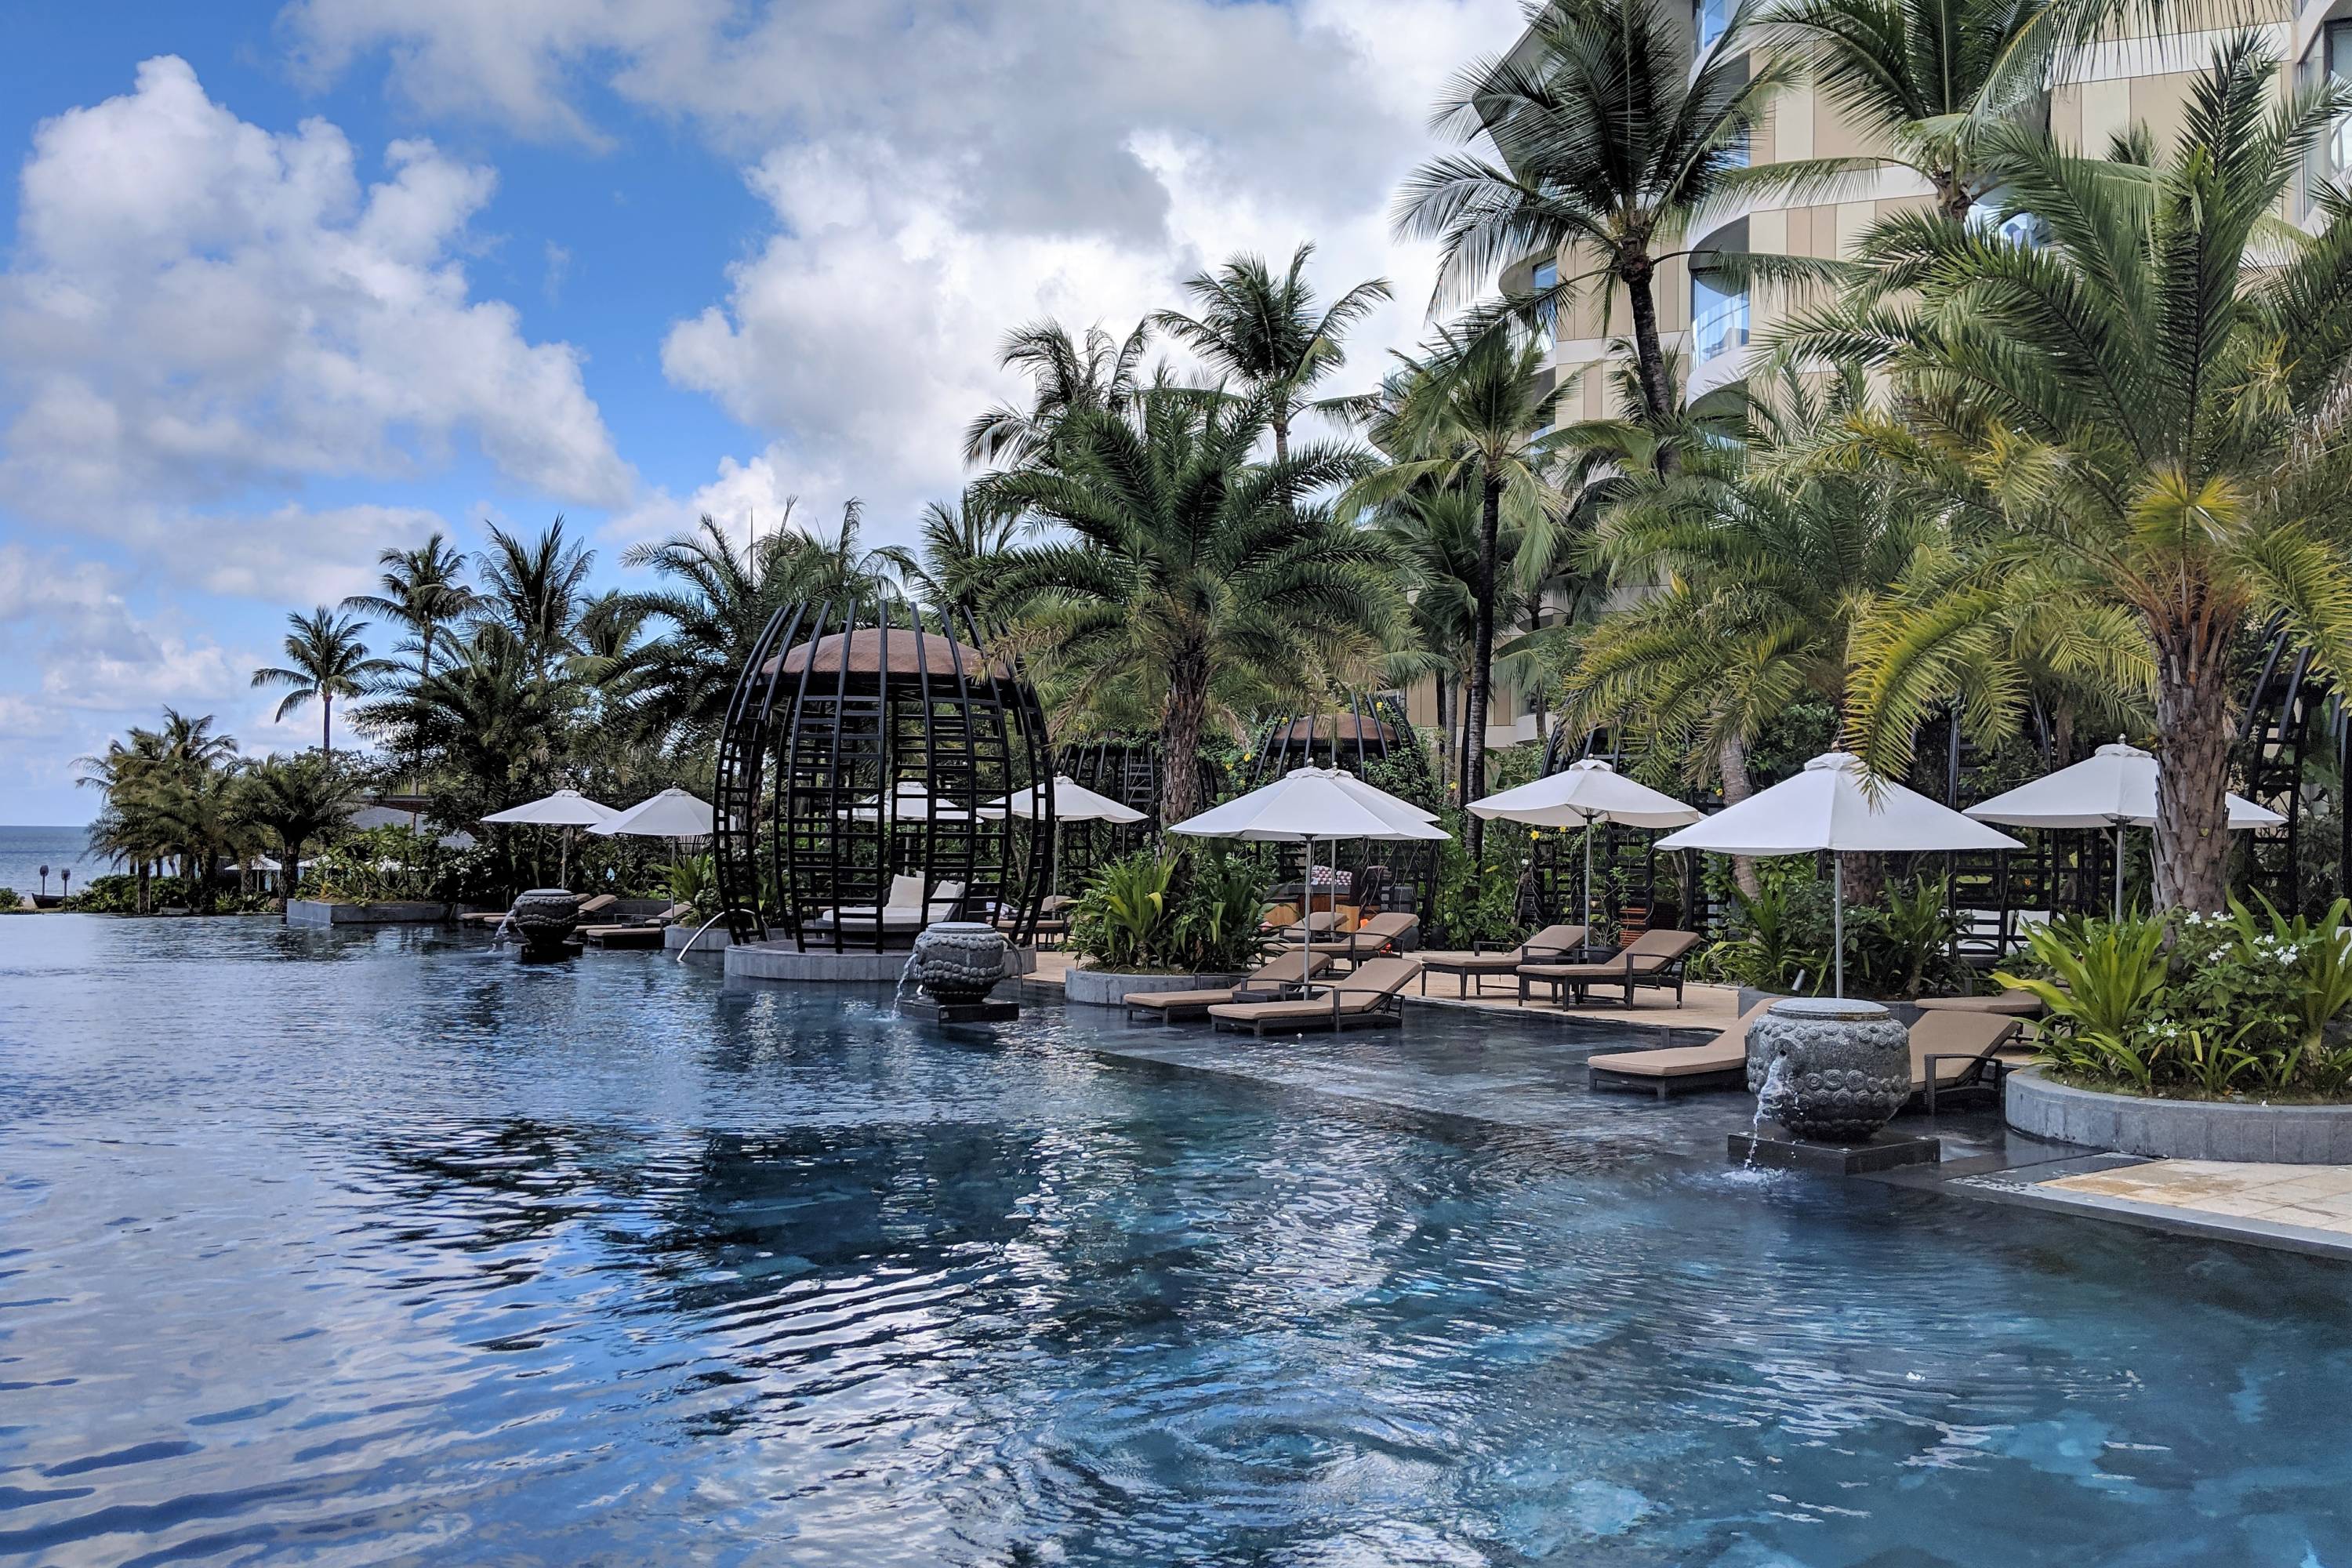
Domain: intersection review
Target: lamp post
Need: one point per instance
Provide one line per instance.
(45, 881)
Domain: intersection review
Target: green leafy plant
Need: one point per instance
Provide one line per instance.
(694, 881)
(1117, 923)
(2105, 983)
(1763, 951)
(1217, 926)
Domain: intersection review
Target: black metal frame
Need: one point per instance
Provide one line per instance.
(812, 741)
(1123, 769)
(1361, 728)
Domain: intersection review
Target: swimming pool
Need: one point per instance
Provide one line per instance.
(356, 1247)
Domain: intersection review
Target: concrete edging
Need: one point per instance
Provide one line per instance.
(1110, 988)
(779, 960)
(321, 914)
(2179, 1129)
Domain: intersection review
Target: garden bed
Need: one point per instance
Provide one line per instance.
(2231, 1130)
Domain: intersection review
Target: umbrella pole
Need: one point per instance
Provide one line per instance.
(1584, 915)
(1837, 917)
(2119, 873)
(1307, 947)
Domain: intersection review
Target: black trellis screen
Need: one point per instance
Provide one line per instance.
(1368, 734)
(862, 742)
(1126, 770)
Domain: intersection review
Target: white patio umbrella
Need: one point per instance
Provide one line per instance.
(673, 815)
(2114, 788)
(1828, 806)
(1071, 802)
(1308, 803)
(567, 809)
(1579, 795)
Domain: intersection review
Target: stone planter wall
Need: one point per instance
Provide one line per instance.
(318, 912)
(2179, 1129)
(1109, 988)
(677, 938)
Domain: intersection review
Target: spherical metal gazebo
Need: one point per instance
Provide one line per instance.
(862, 741)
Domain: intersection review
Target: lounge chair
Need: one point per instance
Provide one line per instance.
(904, 913)
(1053, 921)
(1721, 1063)
(1259, 985)
(1324, 924)
(1373, 995)
(645, 932)
(1381, 934)
(1492, 958)
(1655, 958)
(1951, 1050)
(2010, 1003)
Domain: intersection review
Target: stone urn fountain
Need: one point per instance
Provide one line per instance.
(1829, 1072)
(544, 919)
(957, 964)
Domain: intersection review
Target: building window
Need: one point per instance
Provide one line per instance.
(2338, 55)
(1718, 303)
(1714, 16)
(1546, 277)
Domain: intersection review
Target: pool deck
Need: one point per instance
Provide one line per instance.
(1536, 1090)
(1705, 1010)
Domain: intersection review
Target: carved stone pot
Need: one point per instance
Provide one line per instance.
(1834, 1071)
(959, 962)
(544, 918)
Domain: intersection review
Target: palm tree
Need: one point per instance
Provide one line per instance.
(424, 591)
(1267, 336)
(1613, 148)
(1929, 76)
(2145, 393)
(297, 799)
(1433, 534)
(533, 592)
(325, 658)
(1178, 570)
(1067, 377)
(963, 542)
(1477, 412)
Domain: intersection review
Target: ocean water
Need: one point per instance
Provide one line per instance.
(360, 1248)
(24, 850)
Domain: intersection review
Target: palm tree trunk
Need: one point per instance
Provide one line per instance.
(1649, 356)
(326, 724)
(2192, 725)
(1180, 738)
(1444, 734)
(1482, 657)
(1731, 759)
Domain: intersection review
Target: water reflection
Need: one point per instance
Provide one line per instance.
(362, 1249)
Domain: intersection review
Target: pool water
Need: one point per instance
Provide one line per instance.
(340, 1249)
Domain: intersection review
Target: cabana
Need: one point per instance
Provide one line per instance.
(862, 743)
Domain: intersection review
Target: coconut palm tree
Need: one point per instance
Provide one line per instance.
(325, 658)
(1266, 335)
(1067, 377)
(1925, 78)
(534, 592)
(423, 592)
(2152, 390)
(963, 542)
(1175, 566)
(1476, 412)
(1612, 145)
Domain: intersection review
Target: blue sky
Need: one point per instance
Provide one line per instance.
(284, 285)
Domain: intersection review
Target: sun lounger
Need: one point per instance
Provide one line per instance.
(1051, 924)
(1373, 995)
(1494, 958)
(1655, 958)
(1721, 1063)
(1381, 934)
(1951, 1050)
(2011, 1004)
(1262, 985)
(903, 913)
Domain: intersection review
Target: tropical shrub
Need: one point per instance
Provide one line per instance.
(380, 864)
(2238, 1003)
(1762, 951)
(9, 900)
(1193, 912)
(694, 881)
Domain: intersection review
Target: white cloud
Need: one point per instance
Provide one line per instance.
(940, 170)
(200, 308)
